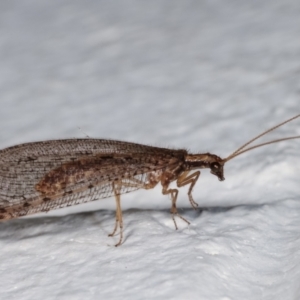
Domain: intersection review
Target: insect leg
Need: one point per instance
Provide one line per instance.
(185, 179)
(119, 219)
(174, 194)
(117, 187)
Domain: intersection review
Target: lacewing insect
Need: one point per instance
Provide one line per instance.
(42, 176)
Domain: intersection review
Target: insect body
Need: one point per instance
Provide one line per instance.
(43, 176)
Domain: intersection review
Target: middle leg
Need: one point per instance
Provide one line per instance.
(174, 212)
(185, 179)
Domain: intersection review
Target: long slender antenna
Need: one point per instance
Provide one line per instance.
(260, 145)
(238, 151)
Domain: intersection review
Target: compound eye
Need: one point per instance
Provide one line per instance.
(215, 166)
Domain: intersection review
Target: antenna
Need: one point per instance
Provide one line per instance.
(260, 145)
(240, 149)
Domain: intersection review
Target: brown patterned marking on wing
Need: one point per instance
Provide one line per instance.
(84, 171)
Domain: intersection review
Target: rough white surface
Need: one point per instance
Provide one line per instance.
(202, 75)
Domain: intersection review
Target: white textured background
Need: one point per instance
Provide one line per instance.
(202, 75)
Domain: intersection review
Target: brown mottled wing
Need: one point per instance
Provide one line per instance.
(42, 176)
